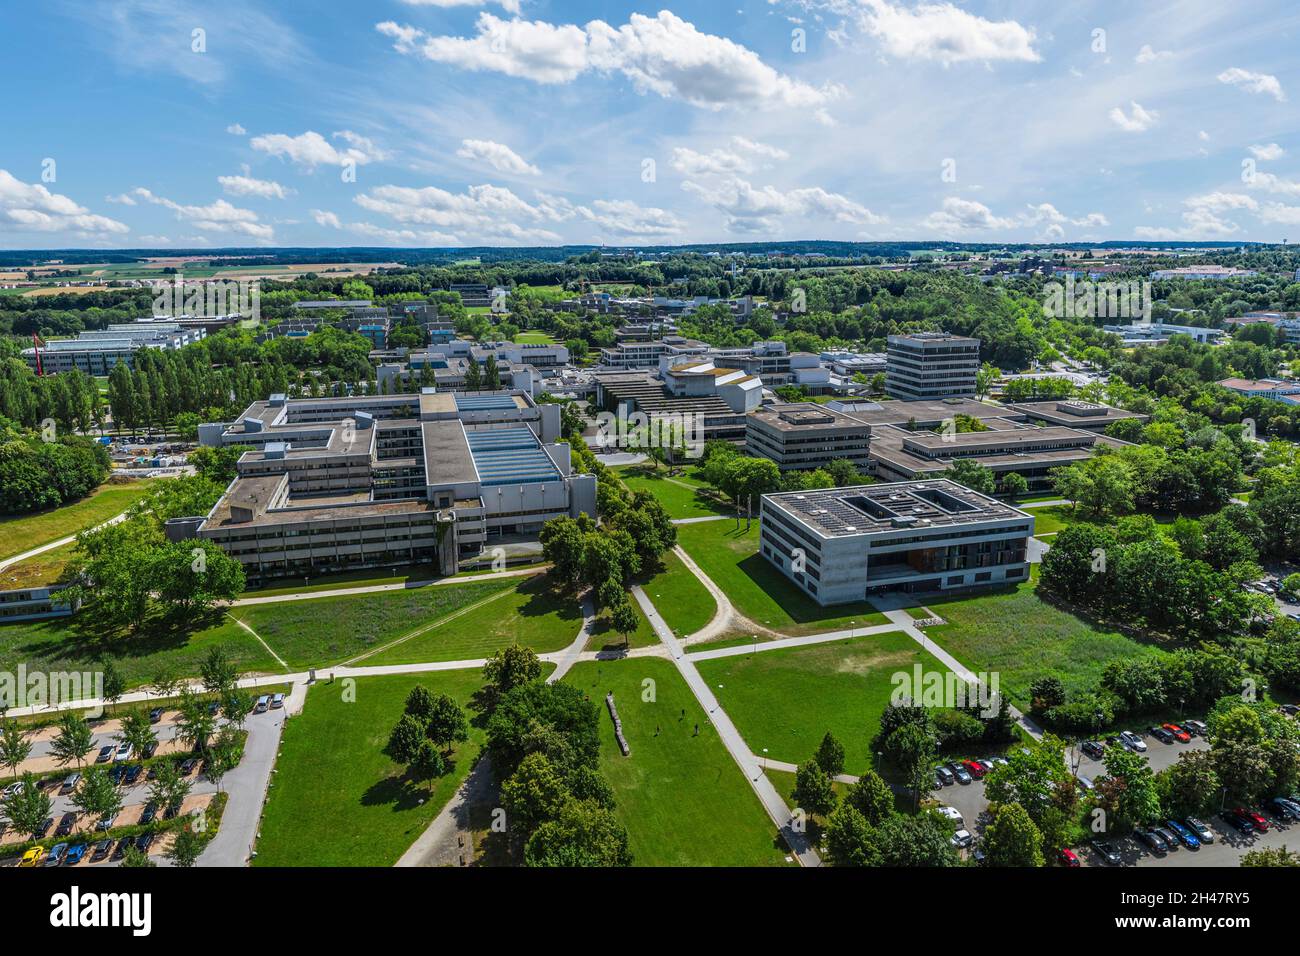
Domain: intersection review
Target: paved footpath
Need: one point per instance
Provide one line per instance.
(731, 739)
(59, 543)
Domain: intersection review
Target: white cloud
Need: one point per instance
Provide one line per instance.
(234, 129)
(500, 157)
(30, 207)
(311, 149)
(1271, 183)
(121, 199)
(1253, 82)
(1149, 55)
(959, 215)
(721, 161)
(246, 185)
(1203, 218)
(1268, 151)
(325, 218)
(622, 217)
(482, 212)
(1137, 120)
(944, 32)
(219, 216)
(663, 54)
(750, 209)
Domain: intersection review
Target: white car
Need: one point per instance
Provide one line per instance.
(951, 813)
(962, 838)
(124, 750)
(1132, 741)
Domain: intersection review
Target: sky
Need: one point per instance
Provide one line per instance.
(415, 123)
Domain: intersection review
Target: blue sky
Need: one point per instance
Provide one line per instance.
(179, 123)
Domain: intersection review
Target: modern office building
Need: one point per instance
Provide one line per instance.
(931, 365)
(342, 483)
(719, 397)
(96, 352)
(803, 436)
(34, 603)
(1281, 390)
(1074, 413)
(844, 544)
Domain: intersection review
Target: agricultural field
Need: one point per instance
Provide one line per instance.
(681, 797)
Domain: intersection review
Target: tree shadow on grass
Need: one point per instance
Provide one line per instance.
(797, 606)
(544, 599)
(83, 638)
(402, 792)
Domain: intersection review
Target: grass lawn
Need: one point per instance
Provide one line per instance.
(603, 636)
(786, 700)
(25, 532)
(681, 797)
(678, 501)
(44, 568)
(534, 338)
(347, 579)
(322, 631)
(526, 610)
(1013, 633)
(759, 590)
(336, 799)
(74, 644)
(684, 603)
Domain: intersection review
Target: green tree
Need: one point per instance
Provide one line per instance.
(1190, 786)
(533, 794)
(511, 667)
(168, 789)
(871, 797)
(196, 723)
(1014, 485)
(447, 723)
(849, 837)
(1011, 839)
(973, 475)
(137, 731)
(135, 858)
(112, 682)
(97, 795)
(1267, 856)
(584, 834)
(186, 847)
(624, 619)
(15, 747)
(73, 741)
(830, 755)
(27, 807)
(1128, 790)
(814, 791)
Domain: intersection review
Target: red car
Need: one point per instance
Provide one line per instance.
(1181, 735)
(1260, 821)
(975, 767)
(1068, 857)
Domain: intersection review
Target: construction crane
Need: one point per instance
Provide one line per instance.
(36, 346)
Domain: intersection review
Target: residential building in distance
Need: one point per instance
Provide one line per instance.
(96, 352)
(841, 545)
(1158, 333)
(931, 365)
(803, 436)
(1203, 272)
(1274, 388)
(357, 482)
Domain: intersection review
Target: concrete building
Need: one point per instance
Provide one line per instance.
(34, 603)
(343, 483)
(804, 436)
(1275, 388)
(1158, 333)
(1203, 272)
(720, 397)
(841, 545)
(96, 352)
(931, 365)
(1074, 413)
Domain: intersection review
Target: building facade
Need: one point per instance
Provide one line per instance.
(931, 365)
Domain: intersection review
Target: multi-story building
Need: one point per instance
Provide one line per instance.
(841, 545)
(1203, 272)
(35, 603)
(804, 436)
(717, 398)
(342, 483)
(931, 365)
(96, 352)
(1275, 388)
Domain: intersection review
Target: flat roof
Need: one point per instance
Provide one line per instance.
(509, 456)
(869, 509)
(447, 459)
(796, 416)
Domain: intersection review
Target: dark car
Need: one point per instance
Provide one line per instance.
(102, 849)
(171, 811)
(143, 842)
(116, 774)
(132, 774)
(119, 851)
(1282, 808)
(187, 766)
(149, 750)
(66, 823)
(45, 828)
(149, 812)
(1153, 840)
(1093, 749)
(1106, 851)
(1168, 835)
(1241, 824)
(155, 715)
(1162, 735)
(960, 772)
(945, 776)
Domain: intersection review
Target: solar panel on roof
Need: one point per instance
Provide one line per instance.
(484, 403)
(508, 456)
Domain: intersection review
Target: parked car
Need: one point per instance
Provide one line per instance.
(262, 704)
(75, 854)
(1153, 840)
(1162, 735)
(1085, 783)
(1106, 851)
(1068, 857)
(132, 774)
(945, 776)
(960, 772)
(1132, 741)
(102, 849)
(277, 701)
(1181, 735)
(1093, 749)
(124, 751)
(155, 715)
(1195, 727)
(1170, 838)
(106, 823)
(69, 783)
(105, 754)
(119, 851)
(1240, 823)
(56, 854)
(1190, 839)
(149, 750)
(1261, 824)
(962, 839)
(950, 813)
(44, 831)
(149, 812)
(33, 856)
(975, 767)
(1289, 709)
(188, 765)
(143, 842)
(116, 773)
(1200, 828)
(10, 790)
(66, 823)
